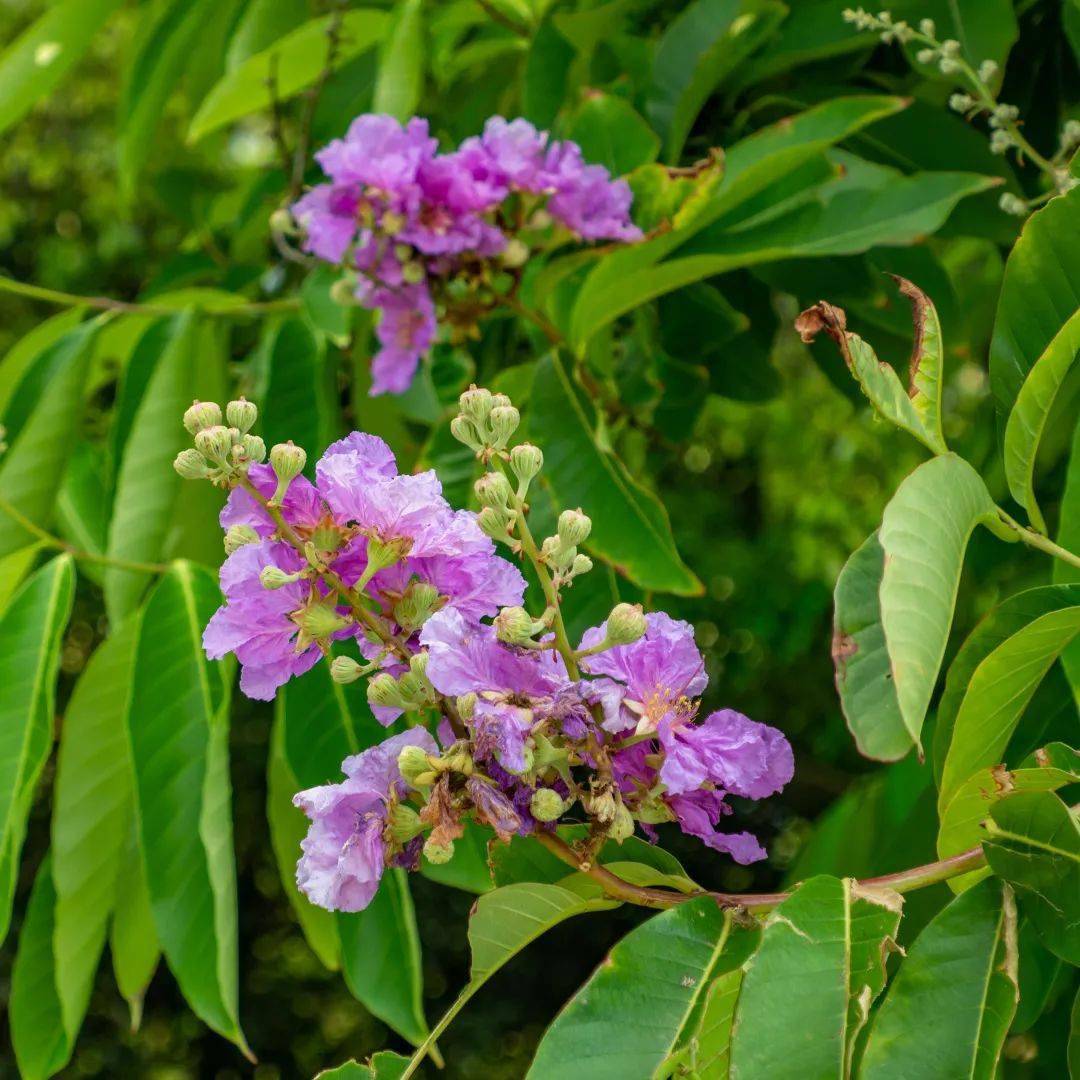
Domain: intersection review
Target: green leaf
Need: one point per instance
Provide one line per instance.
(823, 954)
(178, 727)
(634, 1010)
(1074, 1038)
(22, 356)
(1033, 842)
(92, 817)
(42, 1044)
(924, 534)
(999, 691)
(262, 23)
(1069, 538)
(612, 133)
(147, 485)
(697, 52)
(468, 868)
(631, 529)
(325, 314)
(400, 77)
(30, 634)
(1040, 294)
(292, 63)
(863, 675)
(33, 65)
(13, 568)
(948, 1010)
(133, 940)
(32, 468)
(385, 1065)
(1024, 428)
(962, 816)
(713, 1057)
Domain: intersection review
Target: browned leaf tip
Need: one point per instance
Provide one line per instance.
(920, 307)
(822, 316)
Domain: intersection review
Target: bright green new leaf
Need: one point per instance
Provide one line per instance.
(1026, 422)
(385, 1065)
(1033, 842)
(630, 529)
(30, 633)
(612, 133)
(822, 953)
(133, 940)
(948, 1010)
(291, 64)
(33, 65)
(713, 1057)
(999, 691)
(400, 77)
(13, 568)
(24, 353)
(178, 725)
(924, 534)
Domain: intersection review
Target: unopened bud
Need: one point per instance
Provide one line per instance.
(392, 222)
(413, 762)
(465, 432)
(1012, 204)
(282, 223)
(191, 465)
(926, 56)
(438, 853)
(582, 564)
(254, 448)
(419, 602)
(961, 103)
(516, 626)
(319, 621)
(625, 624)
(466, 706)
(475, 405)
(950, 47)
(288, 461)
(215, 443)
(515, 254)
(1001, 141)
(493, 489)
(1070, 133)
(237, 536)
(503, 421)
(546, 804)
(948, 66)
(927, 27)
(526, 461)
(412, 273)
(273, 577)
(383, 690)
(201, 415)
(988, 69)
(241, 414)
(405, 824)
(622, 824)
(343, 292)
(344, 670)
(494, 523)
(574, 527)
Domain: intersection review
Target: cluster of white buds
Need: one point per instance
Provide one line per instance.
(883, 23)
(560, 551)
(224, 446)
(486, 422)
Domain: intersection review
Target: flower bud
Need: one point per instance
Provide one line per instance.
(574, 527)
(1070, 133)
(1012, 204)
(961, 103)
(191, 465)
(493, 489)
(927, 27)
(343, 292)
(405, 824)
(988, 69)
(438, 853)
(466, 706)
(602, 806)
(948, 66)
(465, 432)
(236, 536)
(241, 414)
(344, 670)
(475, 404)
(383, 690)
(504, 420)
(494, 523)
(625, 624)
(516, 626)
(215, 444)
(526, 461)
(926, 56)
(582, 564)
(622, 824)
(282, 222)
(288, 461)
(413, 762)
(319, 621)
(412, 273)
(202, 415)
(254, 448)
(1000, 142)
(950, 47)
(546, 804)
(515, 254)
(419, 602)
(273, 577)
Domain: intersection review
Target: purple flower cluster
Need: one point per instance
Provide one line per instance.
(359, 503)
(424, 230)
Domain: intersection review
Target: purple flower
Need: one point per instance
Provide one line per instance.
(406, 330)
(587, 201)
(380, 153)
(660, 673)
(302, 507)
(494, 807)
(256, 623)
(344, 852)
(698, 815)
(327, 214)
(516, 150)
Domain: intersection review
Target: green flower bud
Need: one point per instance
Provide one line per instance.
(1070, 133)
(412, 273)
(961, 103)
(465, 432)
(500, 401)
(282, 222)
(951, 48)
(413, 762)
(392, 222)
(926, 56)
(288, 461)
(273, 577)
(215, 444)
(202, 415)
(526, 461)
(574, 527)
(948, 66)
(405, 824)
(494, 523)
(383, 553)
(503, 421)
(516, 626)
(515, 254)
(1012, 204)
(546, 805)
(236, 536)
(582, 564)
(493, 489)
(622, 824)
(466, 706)
(191, 465)
(344, 670)
(241, 414)
(419, 602)
(927, 27)
(383, 690)
(319, 621)
(475, 405)
(437, 853)
(254, 448)
(343, 292)
(1000, 142)
(988, 69)
(625, 624)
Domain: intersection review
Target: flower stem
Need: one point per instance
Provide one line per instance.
(78, 554)
(1037, 540)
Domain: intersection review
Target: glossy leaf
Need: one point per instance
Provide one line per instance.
(30, 633)
(38, 59)
(924, 534)
(713, 1056)
(401, 62)
(612, 133)
(999, 691)
(23, 355)
(133, 940)
(1068, 537)
(948, 1010)
(147, 485)
(32, 467)
(822, 953)
(294, 61)
(178, 727)
(1026, 422)
(631, 529)
(631, 1014)
(1033, 842)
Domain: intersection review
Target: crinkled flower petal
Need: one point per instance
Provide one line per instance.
(698, 815)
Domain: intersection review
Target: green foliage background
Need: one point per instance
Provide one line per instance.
(768, 460)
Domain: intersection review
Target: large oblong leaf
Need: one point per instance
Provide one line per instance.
(30, 633)
(948, 1010)
(178, 726)
(291, 63)
(822, 954)
(630, 525)
(924, 534)
(400, 77)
